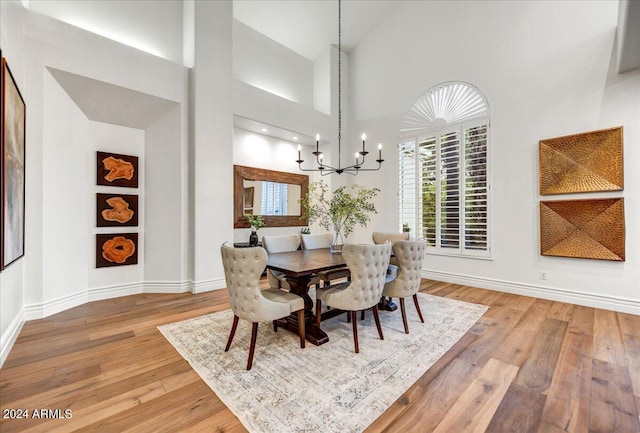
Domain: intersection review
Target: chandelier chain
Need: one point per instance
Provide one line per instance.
(339, 80)
(353, 169)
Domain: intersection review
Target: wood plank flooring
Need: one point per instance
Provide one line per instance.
(527, 366)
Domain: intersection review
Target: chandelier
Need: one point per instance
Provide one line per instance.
(360, 156)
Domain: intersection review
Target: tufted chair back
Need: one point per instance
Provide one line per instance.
(242, 270)
(281, 244)
(409, 255)
(312, 242)
(382, 237)
(368, 265)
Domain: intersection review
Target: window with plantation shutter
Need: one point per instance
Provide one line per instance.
(443, 171)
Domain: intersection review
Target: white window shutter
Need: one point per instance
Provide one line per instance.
(444, 192)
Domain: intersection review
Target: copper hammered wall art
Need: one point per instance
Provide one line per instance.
(587, 162)
(590, 229)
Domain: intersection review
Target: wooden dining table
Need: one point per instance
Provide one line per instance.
(299, 267)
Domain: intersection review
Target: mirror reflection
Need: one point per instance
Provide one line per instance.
(273, 194)
(270, 198)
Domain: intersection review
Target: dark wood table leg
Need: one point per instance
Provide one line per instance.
(300, 286)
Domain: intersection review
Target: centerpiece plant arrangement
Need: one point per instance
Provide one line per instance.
(255, 221)
(340, 211)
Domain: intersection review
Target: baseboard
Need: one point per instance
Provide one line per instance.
(10, 336)
(108, 292)
(167, 286)
(613, 303)
(208, 285)
(44, 309)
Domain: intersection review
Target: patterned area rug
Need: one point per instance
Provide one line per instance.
(326, 388)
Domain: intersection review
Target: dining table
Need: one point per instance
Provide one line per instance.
(299, 268)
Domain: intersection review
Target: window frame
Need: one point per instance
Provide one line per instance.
(416, 224)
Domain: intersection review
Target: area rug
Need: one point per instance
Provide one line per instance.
(326, 388)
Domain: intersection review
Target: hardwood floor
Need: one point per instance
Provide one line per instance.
(528, 365)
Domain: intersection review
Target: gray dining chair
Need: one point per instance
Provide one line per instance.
(323, 240)
(242, 270)
(368, 265)
(279, 244)
(409, 255)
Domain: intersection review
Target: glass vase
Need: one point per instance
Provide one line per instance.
(336, 245)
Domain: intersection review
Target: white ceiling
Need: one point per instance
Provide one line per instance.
(309, 27)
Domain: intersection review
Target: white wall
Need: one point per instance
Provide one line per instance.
(12, 42)
(267, 65)
(121, 21)
(58, 269)
(70, 142)
(212, 160)
(547, 69)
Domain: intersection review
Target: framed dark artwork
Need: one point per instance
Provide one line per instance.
(117, 170)
(586, 162)
(589, 229)
(13, 168)
(116, 249)
(115, 210)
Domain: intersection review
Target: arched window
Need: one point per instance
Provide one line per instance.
(443, 157)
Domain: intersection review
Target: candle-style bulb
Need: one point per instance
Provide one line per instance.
(321, 156)
(299, 148)
(317, 137)
(379, 146)
(363, 136)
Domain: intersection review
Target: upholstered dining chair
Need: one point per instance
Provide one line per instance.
(323, 240)
(393, 237)
(368, 265)
(242, 270)
(279, 244)
(409, 255)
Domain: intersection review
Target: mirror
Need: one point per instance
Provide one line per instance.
(272, 194)
(262, 197)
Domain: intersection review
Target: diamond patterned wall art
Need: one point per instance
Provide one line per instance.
(587, 162)
(590, 229)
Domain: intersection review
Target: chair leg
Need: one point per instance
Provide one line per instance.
(404, 316)
(301, 327)
(362, 314)
(318, 311)
(275, 326)
(348, 316)
(233, 332)
(252, 348)
(354, 321)
(377, 319)
(415, 301)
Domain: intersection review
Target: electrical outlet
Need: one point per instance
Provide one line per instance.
(543, 275)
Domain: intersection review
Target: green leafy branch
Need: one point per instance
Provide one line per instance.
(342, 211)
(255, 221)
